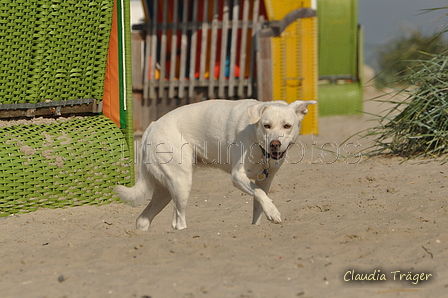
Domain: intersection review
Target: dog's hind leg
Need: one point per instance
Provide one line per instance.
(180, 192)
(160, 198)
(178, 177)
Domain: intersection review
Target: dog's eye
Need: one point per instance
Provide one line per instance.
(267, 126)
(287, 126)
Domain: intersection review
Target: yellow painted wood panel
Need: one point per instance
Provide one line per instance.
(294, 59)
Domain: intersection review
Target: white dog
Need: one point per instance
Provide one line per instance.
(245, 138)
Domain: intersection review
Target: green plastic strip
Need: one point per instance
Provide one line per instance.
(126, 74)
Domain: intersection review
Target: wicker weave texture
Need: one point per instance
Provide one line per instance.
(53, 49)
(69, 163)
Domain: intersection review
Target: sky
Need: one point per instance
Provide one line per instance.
(383, 20)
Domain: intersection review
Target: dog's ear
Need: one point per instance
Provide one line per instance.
(255, 111)
(301, 107)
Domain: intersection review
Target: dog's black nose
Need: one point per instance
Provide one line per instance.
(275, 145)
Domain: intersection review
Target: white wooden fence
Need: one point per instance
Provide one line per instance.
(188, 52)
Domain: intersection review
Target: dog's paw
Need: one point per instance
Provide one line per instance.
(178, 227)
(275, 219)
(273, 214)
(178, 223)
(143, 223)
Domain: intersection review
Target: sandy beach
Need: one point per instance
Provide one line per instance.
(345, 217)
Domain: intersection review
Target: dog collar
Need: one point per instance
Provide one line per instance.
(264, 174)
(265, 153)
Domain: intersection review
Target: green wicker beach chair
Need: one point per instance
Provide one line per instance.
(58, 62)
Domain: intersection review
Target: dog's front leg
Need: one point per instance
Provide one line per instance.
(242, 182)
(264, 185)
(257, 209)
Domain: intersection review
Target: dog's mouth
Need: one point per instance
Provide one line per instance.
(276, 155)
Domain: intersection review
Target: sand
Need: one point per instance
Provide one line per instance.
(344, 218)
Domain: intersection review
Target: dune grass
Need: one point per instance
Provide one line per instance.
(418, 125)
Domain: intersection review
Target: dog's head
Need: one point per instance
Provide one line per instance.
(277, 124)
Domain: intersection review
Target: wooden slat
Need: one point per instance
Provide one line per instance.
(163, 46)
(193, 50)
(173, 51)
(92, 107)
(183, 49)
(204, 41)
(224, 34)
(233, 47)
(138, 103)
(139, 110)
(137, 39)
(264, 66)
(213, 49)
(255, 25)
(152, 55)
(146, 65)
(243, 49)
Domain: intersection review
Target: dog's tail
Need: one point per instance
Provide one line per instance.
(136, 194)
(142, 190)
